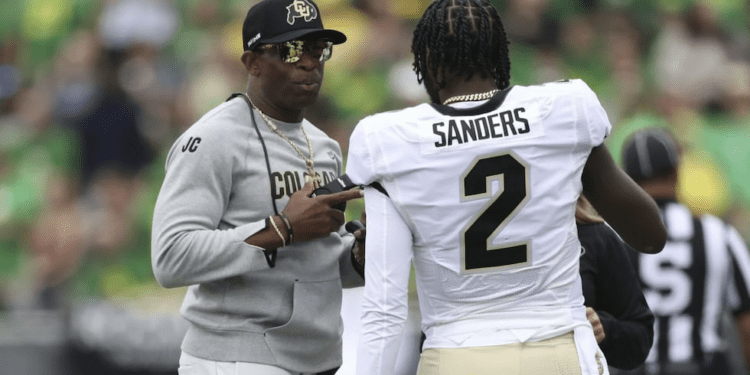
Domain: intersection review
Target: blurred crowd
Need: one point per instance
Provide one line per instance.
(94, 92)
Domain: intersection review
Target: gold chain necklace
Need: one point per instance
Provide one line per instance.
(471, 97)
(309, 163)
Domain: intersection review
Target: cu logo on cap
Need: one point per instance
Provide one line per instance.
(300, 9)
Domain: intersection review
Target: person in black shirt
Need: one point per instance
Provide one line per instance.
(622, 321)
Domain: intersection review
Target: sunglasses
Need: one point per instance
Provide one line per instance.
(291, 51)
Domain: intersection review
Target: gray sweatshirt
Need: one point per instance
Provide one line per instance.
(216, 193)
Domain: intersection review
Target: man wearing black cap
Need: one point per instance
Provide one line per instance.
(236, 222)
(704, 267)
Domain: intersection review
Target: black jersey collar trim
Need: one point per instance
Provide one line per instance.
(490, 105)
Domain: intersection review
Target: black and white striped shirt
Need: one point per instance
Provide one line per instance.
(703, 270)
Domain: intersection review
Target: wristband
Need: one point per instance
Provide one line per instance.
(276, 228)
(288, 226)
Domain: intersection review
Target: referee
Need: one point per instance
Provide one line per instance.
(703, 270)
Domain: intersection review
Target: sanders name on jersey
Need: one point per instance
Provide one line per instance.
(496, 125)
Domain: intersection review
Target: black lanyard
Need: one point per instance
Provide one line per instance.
(271, 254)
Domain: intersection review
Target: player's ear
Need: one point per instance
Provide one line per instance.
(250, 61)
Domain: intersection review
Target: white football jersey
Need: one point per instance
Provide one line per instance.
(481, 196)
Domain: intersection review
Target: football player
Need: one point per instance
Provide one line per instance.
(478, 189)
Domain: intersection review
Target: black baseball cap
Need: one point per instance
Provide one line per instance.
(276, 21)
(650, 153)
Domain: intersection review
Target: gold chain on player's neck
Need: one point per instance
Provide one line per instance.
(471, 97)
(309, 162)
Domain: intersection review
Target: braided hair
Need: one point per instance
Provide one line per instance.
(461, 37)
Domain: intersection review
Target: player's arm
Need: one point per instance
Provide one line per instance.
(622, 203)
(385, 298)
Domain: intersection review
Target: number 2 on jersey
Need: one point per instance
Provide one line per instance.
(477, 255)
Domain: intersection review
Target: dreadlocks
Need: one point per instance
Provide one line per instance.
(461, 37)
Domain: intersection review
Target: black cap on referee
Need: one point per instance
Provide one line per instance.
(650, 153)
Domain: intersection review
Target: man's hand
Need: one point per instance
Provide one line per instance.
(359, 245)
(359, 231)
(313, 218)
(596, 323)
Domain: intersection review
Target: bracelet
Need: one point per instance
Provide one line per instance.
(288, 226)
(276, 228)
